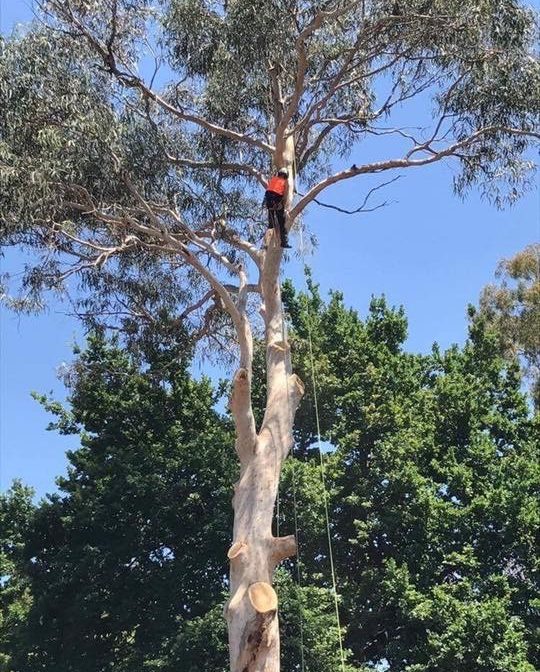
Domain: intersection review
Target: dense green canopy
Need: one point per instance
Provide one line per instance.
(16, 512)
(433, 495)
(435, 506)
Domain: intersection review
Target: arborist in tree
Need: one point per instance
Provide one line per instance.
(274, 201)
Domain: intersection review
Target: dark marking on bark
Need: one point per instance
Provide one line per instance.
(255, 639)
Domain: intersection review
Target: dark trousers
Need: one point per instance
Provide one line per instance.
(276, 215)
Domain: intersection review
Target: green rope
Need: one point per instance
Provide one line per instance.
(285, 340)
(325, 500)
(323, 481)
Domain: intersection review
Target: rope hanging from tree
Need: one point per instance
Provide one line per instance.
(325, 496)
(324, 490)
(295, 517)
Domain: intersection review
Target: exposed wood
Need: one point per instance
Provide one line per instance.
(263, 597)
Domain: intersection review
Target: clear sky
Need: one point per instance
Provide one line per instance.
(428, 251)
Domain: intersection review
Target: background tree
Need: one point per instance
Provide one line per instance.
(132, 550)
(126, 564)
(16, 512)
(139, 184)
(433, 492)
(512, 308)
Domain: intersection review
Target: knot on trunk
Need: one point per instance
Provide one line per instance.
(241, 377)
(282, 346)
(241, 393)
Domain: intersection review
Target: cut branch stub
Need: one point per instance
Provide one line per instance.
(263, 597)
(296, 392)
(298, 385)
(242, 377)
(283, 547)
(236, 549)
(282, 346)
(240, 406)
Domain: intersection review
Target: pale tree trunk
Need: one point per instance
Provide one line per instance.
(252, 609)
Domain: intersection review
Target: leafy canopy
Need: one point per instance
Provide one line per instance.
(135, 136)
(512, 309)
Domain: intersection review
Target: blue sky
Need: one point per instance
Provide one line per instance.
(428, 251)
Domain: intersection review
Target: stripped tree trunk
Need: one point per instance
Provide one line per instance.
(252, 609)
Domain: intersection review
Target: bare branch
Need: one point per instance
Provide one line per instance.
(426, 146)
(311, 116)
(214, 165)
(275, 89)
(240, 403)
(162, 240)
(305, 154)
(249, 288)
(391, 164)
(198, 304)
(362, 207)
(228, 235)
(301, 69)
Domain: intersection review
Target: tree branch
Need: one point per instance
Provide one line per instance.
(198, 304)
(240, 404)
(214, 165)
(381, 166)
(131, 80)
(360, 208)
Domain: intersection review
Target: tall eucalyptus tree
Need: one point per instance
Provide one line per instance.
(135, 138)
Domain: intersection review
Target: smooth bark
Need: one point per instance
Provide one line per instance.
(252, 611)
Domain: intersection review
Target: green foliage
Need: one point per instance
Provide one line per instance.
(133, 547)
(64, 138)
(428, 42)
(512, 309)
(308, 627)
(16, 511)
(200, 645)
(433, 493)
(85, 121)
(432, 490)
